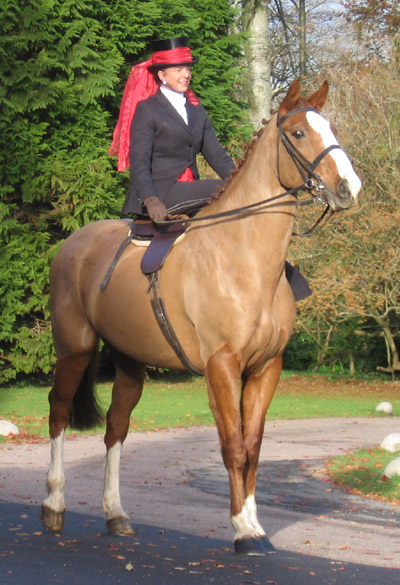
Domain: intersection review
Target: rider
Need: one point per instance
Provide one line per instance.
(161, 128)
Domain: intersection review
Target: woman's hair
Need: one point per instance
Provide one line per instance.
(155, 71)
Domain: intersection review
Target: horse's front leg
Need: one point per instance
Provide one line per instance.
(127, 391)
(258, 391)
(223, 380)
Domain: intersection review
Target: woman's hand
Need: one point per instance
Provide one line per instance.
(156, 209)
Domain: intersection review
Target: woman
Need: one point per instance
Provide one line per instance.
(168, 128)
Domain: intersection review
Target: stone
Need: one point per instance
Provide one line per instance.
(392, 468)
(385, 407)
(8, 428)
(391, 442)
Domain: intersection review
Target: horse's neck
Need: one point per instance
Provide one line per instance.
(257, 180)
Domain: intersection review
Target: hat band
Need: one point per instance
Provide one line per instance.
(172, 57)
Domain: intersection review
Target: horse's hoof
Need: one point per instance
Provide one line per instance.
(250, 546)
(267, 544)
(119, 526)
(51, 519)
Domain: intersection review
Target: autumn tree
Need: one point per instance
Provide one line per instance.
(354, 262)
(376, 23)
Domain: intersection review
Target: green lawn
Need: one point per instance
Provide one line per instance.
(181, 400)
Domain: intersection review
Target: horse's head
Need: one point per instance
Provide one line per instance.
(309, 153)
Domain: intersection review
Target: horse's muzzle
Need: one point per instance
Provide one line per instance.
(344, 198)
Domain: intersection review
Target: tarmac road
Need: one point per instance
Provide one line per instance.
(175, 489)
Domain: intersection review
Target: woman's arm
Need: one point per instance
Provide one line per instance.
(140, 156)
(214, 153)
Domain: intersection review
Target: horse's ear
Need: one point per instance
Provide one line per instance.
(318, 99)
(292, 97)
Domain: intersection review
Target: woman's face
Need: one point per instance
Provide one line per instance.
(176, 78)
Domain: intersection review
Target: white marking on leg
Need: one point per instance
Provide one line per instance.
(251, 507)
(55, 477)
(343, 163)
(243, 525)
(111, 499)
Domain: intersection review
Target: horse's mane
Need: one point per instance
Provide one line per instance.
(248, 149)
(240, 162)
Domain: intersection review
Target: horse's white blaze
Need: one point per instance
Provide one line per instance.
(55, 477)
(343, 163)
(111, 499)
(245, 523)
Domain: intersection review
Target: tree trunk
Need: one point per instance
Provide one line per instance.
(393, 354)
(352, 366)
(258, 86)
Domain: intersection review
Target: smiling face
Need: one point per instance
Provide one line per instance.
(176, 78)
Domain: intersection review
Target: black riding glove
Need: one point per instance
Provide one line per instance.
(156, 209)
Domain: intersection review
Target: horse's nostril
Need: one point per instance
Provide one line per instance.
(343, 189)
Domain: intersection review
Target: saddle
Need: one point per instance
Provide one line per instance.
(159, 240)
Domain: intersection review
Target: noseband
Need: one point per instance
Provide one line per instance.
(312, 181)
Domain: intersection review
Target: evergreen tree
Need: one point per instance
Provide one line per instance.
(63, 66)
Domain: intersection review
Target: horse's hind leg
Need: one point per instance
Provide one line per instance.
(126, 394)
(257, 394)
(69, 373)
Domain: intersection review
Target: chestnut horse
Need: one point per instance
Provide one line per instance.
(226, 295)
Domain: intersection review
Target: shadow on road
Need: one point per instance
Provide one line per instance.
(84, 555)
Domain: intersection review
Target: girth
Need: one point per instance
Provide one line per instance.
(158, 306)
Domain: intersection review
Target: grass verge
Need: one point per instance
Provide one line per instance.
(361, 473)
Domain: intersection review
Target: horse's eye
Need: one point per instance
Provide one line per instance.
(298, 134)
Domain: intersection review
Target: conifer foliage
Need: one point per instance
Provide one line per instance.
(63, 65)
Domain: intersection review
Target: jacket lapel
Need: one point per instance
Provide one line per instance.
(191, 112)
(172, 113)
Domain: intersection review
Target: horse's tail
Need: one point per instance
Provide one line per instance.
(86, 412)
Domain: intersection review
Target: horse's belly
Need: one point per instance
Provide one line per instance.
(123, 316)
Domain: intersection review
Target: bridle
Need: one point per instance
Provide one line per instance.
(312, 181)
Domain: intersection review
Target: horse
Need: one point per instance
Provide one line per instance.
(227, 297)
